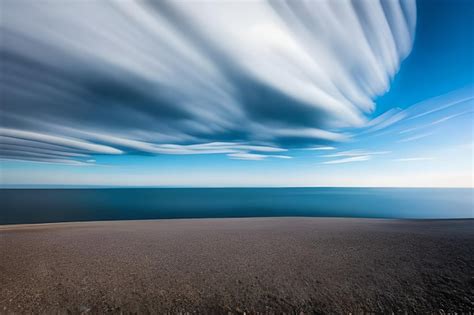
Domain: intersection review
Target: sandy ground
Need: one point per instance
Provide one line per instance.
(238, 265)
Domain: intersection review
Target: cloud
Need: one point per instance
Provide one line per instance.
(356, 152)
(255, 157)
(416, 137)
(423, 115)
(354, 155)
(20, 158)
(176, 77)
(385, 120)
(438, 121)
(321, 148)
(433, 125)
(359, 158)
(410, 159)
(65, 142)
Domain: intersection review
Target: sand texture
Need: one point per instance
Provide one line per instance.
(267, 265)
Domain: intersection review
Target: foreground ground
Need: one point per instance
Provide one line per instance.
(238, 265)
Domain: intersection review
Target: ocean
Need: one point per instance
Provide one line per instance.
(20, 206)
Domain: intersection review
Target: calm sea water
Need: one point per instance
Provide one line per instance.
(59, 205)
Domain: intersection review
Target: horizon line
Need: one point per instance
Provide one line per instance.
(42, 186)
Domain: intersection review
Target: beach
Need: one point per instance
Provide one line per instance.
(309, 265)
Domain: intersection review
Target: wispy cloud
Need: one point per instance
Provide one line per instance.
(422, 115)
(17, 143)
(410, 159)
(385, 120)
(254, 156)
(349, 159)
(436, 122)
(66, 142)
(416, 137)
(21, 158)
(356, 152)
(322, 148)
(355, 155)
(185, 77)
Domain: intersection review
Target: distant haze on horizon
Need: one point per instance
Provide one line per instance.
(237, 94)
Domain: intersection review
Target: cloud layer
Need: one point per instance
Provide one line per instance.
(423, 131)
(247, 79)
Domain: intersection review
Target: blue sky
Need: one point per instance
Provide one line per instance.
(238, 94)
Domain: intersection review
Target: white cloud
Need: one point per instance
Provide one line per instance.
(359, 158)
(59, 140)
(424, 114)
(254, 156)
(175, 77)
(416, 137)
(385, 120)
(436, 122)
(356, 152)
(21, 158)
(410, 159)
(322, 148)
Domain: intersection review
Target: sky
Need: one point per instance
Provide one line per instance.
(237, 93)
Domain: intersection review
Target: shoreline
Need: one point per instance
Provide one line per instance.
(4, 227)
(45, 224)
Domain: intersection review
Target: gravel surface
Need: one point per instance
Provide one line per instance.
(267, 265)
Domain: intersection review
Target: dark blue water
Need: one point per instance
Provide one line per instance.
(60, 205)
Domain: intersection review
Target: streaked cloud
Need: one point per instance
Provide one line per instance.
(49, 160)
(416, 137)
(438, 121)
(245, 79)
(356, 152)
(423, 115)
(437, 129)
(354, 155)
(65, 142)
(358, 158)
(410, 159)
(385, 120)
(321, 148)
(254, 156)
